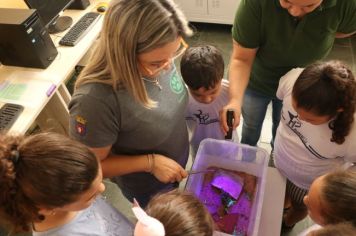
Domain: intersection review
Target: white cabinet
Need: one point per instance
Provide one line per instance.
(210, 11)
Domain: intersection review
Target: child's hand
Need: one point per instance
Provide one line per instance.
(167, 170)
(223, 118)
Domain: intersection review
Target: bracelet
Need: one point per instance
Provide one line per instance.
(149, 159)
(153, 162)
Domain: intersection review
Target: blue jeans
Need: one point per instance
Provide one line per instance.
(254, 110)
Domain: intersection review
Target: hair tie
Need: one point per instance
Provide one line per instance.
(15, 156)
(344, 73)
(146, 225)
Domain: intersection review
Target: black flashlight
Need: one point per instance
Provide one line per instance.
(230, 119)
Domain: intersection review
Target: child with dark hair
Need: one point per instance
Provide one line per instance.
(49, 185)
(174, 213)
(317, 132)
(202, 69)
(331, 201)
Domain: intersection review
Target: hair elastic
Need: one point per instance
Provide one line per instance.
(344, 73)
(15, 156)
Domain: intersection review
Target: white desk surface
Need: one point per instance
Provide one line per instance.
(35, 99)
(272, 208)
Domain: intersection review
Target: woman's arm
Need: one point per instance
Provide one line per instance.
(164, 169)
(239, 75)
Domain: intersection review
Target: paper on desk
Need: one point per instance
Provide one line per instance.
(25, 90)
(12, 91)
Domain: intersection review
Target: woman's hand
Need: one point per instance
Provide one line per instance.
(167, 170)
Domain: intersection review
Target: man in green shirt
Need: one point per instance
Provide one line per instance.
(270, 37)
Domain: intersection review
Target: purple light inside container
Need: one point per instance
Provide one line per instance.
(242, 207)
(228, 196)
(228, 183)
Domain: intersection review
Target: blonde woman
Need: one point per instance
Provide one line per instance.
(129, 102)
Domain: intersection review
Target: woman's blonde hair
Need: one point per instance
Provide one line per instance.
(132, 27)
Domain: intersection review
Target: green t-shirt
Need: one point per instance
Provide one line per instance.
(285, 42)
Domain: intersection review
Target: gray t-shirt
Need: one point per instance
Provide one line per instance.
(100, 219)
(100, 116)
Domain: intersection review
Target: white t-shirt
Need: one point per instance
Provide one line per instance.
(99, 219)
(310, 229)
(304, 151)
(203, 119)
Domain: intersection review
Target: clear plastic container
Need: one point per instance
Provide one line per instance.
(237, 157)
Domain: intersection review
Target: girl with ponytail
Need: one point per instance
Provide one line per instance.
(49, 185)
(317, 132)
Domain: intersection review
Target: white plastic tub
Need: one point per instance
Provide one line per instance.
(237, 157)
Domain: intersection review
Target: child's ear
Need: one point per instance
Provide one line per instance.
(46, 211)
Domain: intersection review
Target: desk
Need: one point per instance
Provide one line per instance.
(50, 111)
(272, 208)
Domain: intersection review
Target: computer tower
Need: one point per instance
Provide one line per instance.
(79, 4)
(24, 41)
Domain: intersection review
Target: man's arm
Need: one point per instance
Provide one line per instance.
(342, 35)
(239, 75)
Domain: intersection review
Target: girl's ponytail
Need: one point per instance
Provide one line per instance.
(17, 211)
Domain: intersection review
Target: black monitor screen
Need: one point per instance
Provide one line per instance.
(48, 9)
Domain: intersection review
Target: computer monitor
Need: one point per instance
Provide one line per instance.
(49, 11)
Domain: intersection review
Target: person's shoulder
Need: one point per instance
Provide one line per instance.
(343, 7)
(225, 83)
(287, 82)
(94, 91)
(94, 88)
(224, 86)
(263, 4)
(351, 136)
(224, 96)
(349, 3)
(256, 2)
(310, 229)
(291, 76)
(353, 128)
(116, 220)
(73, 227)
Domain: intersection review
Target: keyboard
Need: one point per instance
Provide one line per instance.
(80, 29)
(8, 115)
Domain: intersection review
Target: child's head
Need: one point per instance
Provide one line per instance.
(324, 92)
(44, 174)
(202, 69)
(181, 214)
(331, 198)
(341, 229)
